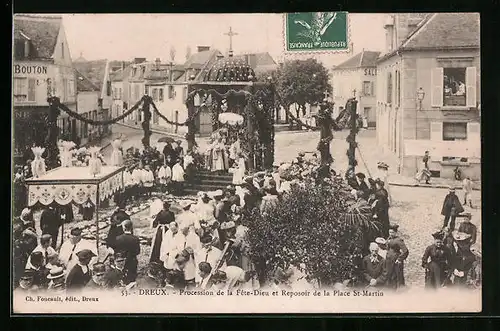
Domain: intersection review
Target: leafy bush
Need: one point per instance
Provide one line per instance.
(313, 225)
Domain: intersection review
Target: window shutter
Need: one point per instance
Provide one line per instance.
(470, 82)
(373, 88)
(474, 138)
(436, 131)
(437, 87)
(31, 89)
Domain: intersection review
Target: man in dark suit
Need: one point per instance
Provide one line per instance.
(115, 229)
(129, 245)
(451, 208)
(80, 274)
(50, 223)
(165, 216)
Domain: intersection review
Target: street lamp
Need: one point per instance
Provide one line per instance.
(420, 97)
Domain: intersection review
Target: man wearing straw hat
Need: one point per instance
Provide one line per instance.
(56, 281)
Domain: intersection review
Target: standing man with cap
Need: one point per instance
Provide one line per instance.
(80, 275)
(467, 187)
(75, 244)
(130, 245)
(467, 227)
(398, 250)
(98, 280)
(115, 277)
(437, 262)
(451, 208)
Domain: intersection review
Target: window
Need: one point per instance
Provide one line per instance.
(155, 94)
(85, 127)
(108, 88)
(20, 89)
(454, 84)
(171, 92)
(389, 87)
(146, 90)
(398, 88)
(71, 88)
(65, 88)
(454, 88)
(454, 131)
(31, 89)
(119, 93)
(62, 50)
(160, 94)
(184, 93)
(367, 89)
(136, 92)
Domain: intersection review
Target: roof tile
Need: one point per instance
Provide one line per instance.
(93, 70)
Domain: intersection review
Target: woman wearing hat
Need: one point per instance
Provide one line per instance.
(383, 174)
(381, 208)
(437, 262)
(56, 281)
(398, 252)
(463, 259)
(474, 276)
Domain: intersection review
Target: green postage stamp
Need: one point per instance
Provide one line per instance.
(327, 31)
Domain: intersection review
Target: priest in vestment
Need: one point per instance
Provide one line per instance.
(218, 156)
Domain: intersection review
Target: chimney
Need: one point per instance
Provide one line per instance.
(138, 60)
(26, 48)
(123, 65)
(203, 48)
(402, 28)
(389, 33)
(157, 63)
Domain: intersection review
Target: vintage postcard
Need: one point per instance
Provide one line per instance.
(246, 163)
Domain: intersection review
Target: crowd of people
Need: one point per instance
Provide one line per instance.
(206, 246)
(452, 260)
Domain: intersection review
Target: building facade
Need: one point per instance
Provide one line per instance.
(87, 105)
(42, 67)
(98, 73)
(428, 92)
(359, 74)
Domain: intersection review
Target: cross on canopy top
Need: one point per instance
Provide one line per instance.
(354, 92)
(231, 34)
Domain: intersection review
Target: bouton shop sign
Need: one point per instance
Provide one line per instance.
(30, 69)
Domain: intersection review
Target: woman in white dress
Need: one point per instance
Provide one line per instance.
(116, 155)
(239, 171)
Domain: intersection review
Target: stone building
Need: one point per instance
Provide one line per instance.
(428, 92)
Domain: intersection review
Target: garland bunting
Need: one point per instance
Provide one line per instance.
(79, 117)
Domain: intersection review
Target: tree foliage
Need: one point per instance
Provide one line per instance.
(313, 225)
(303, 82)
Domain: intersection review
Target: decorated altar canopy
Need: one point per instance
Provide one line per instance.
(66, 185)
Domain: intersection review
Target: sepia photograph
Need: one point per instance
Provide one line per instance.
(325, 162)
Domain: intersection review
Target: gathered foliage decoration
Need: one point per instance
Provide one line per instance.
(312, 226)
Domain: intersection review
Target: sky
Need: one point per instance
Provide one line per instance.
(125, 36)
